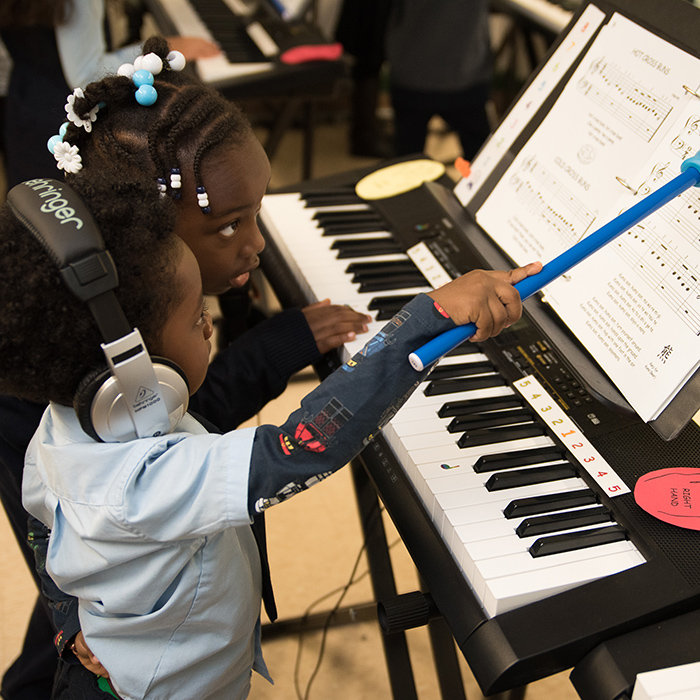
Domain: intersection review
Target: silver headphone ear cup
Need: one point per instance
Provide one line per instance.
(84, 396)
(109, 418)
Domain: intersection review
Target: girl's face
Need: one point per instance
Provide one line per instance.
(185, 337)
(227, 241)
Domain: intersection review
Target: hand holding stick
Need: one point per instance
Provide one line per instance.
(689, 177)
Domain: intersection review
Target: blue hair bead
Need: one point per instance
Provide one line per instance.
(142, 77)
(62, 130)
(51, 143)
(146, 95)
(206, 210)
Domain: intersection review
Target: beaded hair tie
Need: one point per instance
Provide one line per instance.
(141, 72)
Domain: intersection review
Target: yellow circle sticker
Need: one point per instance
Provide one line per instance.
(398, 178)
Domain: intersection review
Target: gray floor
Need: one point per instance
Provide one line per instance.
(314, 542)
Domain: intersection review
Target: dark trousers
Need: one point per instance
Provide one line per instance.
(31, 676)
(464, 111)
(75, 682)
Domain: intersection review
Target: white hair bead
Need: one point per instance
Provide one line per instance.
(176, 60)
(152, 63)
(126, 69)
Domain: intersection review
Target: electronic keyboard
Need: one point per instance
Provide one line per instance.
(550, 16)
(251, 41)
(531, 559)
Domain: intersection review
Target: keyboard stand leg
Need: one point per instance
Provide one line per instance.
(308, 148)
(283, 120)
(383, 583)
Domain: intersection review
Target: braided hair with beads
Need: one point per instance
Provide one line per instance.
(188, 120)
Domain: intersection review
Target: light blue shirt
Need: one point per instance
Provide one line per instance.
(153, 537)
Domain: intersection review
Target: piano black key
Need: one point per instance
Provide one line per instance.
(451, 386)
(350, 228)
(462, 369)
(466, 348)
(404, 281)
(388, 306)
(346, 216)
(364, 247)
(489, 420)
(470, 406)
(517, 458)
(569, 520)
(341, 196)
(371, 269)
(335, 223)
(389, 302)
(546, 503)
(577, 540)
(385, 315)
(229, 31)
(525, 477)
(492, 436)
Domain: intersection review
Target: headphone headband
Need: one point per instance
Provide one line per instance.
(135, 401)
(53, 213)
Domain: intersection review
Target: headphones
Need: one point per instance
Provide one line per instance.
(135, 395)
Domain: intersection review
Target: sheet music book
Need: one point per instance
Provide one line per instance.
(627, 116)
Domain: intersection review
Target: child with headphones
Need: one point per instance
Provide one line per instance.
(150, 527)
(189, 137)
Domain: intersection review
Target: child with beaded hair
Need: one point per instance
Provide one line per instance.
(152, 534)
(154, 119)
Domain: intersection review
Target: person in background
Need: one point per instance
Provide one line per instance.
(56, 46)
(439, 59)
(361, 30)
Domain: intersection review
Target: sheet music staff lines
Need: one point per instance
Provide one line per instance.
(543, 194)
(666, 268)
(626, 99)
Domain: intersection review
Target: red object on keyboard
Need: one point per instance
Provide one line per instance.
(312, 52)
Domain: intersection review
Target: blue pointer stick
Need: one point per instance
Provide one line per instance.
(690, 176)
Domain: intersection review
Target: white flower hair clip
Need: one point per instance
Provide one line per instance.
(67, 157)
(73, 117)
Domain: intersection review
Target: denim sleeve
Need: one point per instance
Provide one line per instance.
(338, 418)
(254, 369)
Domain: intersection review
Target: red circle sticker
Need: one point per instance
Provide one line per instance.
(671, 495)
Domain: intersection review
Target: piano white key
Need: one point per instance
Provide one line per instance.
(262, 39)
(418, 398)
(503, 566)
(457, 510)
(671, 683)
(508, 543)
(507, 593)
(452, 451)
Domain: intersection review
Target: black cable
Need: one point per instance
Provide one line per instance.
(324, 633)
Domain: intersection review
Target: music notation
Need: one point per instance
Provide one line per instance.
(686, 143)
(625, 98)
(546, 196)
(668, 265)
